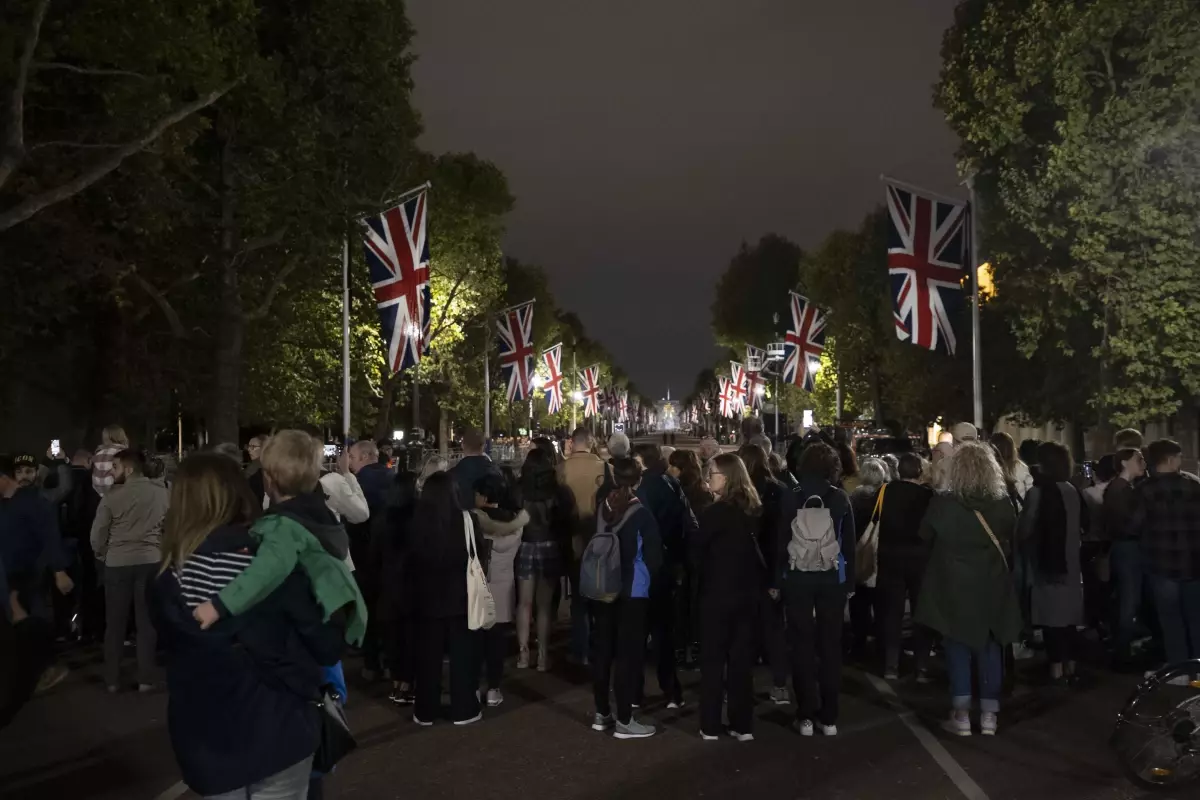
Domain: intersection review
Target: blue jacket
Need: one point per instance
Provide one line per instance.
(243, 693)
(375, 479)
(663, 495)
(466, 472)
(641, 547)
(29, 536)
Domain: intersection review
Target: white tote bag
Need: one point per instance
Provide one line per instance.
(481, 608)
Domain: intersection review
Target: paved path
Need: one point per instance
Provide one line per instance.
(78, 742)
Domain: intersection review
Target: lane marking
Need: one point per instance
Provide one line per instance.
(954, 771)
(178, 790)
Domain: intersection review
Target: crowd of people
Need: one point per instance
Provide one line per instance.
(252, 579)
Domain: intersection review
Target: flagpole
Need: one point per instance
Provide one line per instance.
(575, 379)
(401, 198)
(908, 187)
(487, 392)
(976, 345)
(346, 338)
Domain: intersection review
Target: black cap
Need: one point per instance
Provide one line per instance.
(25, 460)
(7, 465)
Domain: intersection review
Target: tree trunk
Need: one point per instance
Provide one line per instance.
(877, 393)
(443, 431)
(223, 415)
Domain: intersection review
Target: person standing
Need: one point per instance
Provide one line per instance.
(582, 473)
(1050, 525)
(373, 480)
(1166, 518)
(814, 592)
(439, 557)
(473, 465)
(618, 628)
(126, 536)
(540, 557)
(902, 556)
(732, 579)
(112, 441)
(1016, 472)
(967, 594)
(873, 475)
(1126, 553)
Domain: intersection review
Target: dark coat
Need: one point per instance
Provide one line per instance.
(725, 554)
(904, 506)
(663, 495)
(967, 592)
(466, 472)
(438, 561)
(242, 692)
(775, 525)
(551, 508)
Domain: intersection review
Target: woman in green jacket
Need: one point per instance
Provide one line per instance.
(967, 593)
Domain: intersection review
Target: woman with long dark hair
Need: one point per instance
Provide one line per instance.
(902, 556)
(550, 507)
(439, 558)
(394, 609)
(242, 711)
(732, 579)
(618, 629)
(684, 466)
(1050, 527)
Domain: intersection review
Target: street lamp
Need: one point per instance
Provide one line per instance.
(537, 382)
(577, 397)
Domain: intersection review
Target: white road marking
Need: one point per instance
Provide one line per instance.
(954, 771)
(178, 790)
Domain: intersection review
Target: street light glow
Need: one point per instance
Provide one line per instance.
(760, 390)
(538, 381)
(577, 397)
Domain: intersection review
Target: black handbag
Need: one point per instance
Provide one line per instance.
(337, 741)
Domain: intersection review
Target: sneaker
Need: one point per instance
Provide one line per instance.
(602, 722)
(422, 723)
(923, 677)
(708, 737)
(891, 675)
(742, 737)
(523, 660)
(633, 730)
(958, 724)
(51, 677)
(402, 697)
(543, 661)
(829, 730)
(805, 727)
(475, 718)
(675, 704)
(494, 698)
(779, 696)
(988, 723)
(1022, 652)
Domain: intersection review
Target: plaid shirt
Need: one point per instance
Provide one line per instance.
(1166, 517)
(102, 467)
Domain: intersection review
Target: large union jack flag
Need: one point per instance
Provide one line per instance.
(804, 344)
(516, 350)
(554, 382)
(728, 397)
(758, 383)
(398, 259)
(740, 380)
(589, 387)
(928, 251)
(623, 406)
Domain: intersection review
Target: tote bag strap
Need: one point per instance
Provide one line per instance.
(878, 504)
(469, 534)
(992, 536)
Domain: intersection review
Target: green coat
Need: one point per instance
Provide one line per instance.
(967, 592)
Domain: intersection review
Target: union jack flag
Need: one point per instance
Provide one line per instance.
(398, 260)
(755, 355)
(804, 344)
(741, 384)
(927, 261)
(516, 350)
(729, 397)
(554, 383)
(589, 384)
(622, 406)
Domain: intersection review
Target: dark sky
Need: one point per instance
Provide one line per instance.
(645, 139)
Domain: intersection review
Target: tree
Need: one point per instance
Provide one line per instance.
(1081, 121)
(753, 287)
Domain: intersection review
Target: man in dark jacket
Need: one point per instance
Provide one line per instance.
(1166, 514)
(471, 467)
(664, 497)
(1125, 554)
(29, 542)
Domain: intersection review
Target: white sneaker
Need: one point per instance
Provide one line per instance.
(708, 737)
(473, 719)
(422, 723)
(674, 704)
(742, 737)
(494, 698)
(805, 727)
(988, 723)
(829, 730)
(957, 725)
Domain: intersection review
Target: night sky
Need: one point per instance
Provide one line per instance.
(644, 140)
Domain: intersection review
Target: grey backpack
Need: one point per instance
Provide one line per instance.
(814, 546)
(600, 567)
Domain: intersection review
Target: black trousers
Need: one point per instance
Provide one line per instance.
(125, 589)
(662, 631)
(771, 639)
(399, 646)
(617, 652)
(726, 663)
(814, 625)
(434, 638)
(497, 642)
(26, 649)
(862, 620)
(900, 580)
(1060, 644)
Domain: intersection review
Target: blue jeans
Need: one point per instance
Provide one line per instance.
(990, 667)
(1126, 559)
(1178, 606)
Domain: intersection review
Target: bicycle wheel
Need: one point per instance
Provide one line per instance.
(1157, 736)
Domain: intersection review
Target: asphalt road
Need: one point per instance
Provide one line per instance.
(79, 742)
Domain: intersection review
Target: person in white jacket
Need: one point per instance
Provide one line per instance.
(343, 495)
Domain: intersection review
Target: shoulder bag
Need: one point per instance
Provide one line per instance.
(988, 529)
(866, 552)
(481, 607)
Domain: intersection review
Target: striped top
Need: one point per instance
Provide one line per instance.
(202, 577)
(102, 467)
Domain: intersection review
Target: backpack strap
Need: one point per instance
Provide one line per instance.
(812, 497)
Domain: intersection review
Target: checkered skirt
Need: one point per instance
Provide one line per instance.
(539, 560)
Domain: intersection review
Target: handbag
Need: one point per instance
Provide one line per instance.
(995, 541)
(481, 606)
(336, 739)
(866, 552)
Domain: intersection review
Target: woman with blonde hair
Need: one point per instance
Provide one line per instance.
(1016, 473)
(967, 593)
(269, 657)
(732, 578)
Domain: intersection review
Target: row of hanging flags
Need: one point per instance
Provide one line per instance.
(928, 256)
